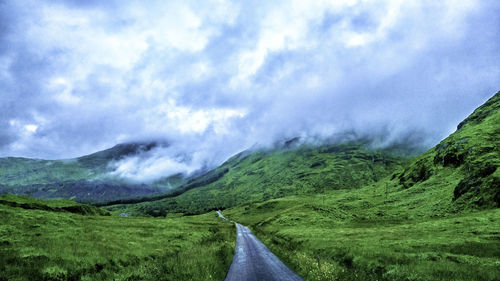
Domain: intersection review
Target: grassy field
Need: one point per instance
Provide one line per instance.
(49, 240)
(370, 235)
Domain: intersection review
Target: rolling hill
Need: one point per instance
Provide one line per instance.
(468, 159)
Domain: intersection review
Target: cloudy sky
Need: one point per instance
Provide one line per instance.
(216, 77)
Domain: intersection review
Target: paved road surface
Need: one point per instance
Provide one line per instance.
(221, 216)
(254, 262)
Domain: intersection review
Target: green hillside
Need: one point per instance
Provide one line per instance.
(84, 179)
(436, 219)
(471, 156)
(64, 240)
(256, 176)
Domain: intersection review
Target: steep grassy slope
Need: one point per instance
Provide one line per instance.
(472, 153)
(42, 240)
(254, 176)
(436, 219)
(85, 179)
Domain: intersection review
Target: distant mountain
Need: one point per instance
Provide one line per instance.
(286, 169)
(102, 158)
(84, 179)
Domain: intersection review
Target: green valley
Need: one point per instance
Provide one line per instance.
(434, 217)
(228, 140)
(338, 211)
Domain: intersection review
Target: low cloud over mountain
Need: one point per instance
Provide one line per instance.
(216, 77)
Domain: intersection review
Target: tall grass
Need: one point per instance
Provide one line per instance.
(47, 245)
(361, 235)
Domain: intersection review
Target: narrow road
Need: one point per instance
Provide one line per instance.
(221, 216)
(253, 261)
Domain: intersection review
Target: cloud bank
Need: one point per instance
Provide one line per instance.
(216, 77)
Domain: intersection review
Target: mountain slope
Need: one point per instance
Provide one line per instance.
(472, 154)
(435, 219)
(255, 176)
(85, 179)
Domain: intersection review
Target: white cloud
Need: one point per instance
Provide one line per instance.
(138, 169)
(31, 128)
(186, 120)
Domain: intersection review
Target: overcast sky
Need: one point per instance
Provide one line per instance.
(216, 77)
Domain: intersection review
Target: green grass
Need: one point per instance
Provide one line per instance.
(38, 244)
(361, 235)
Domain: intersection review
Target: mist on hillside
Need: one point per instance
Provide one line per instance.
(215, 78)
